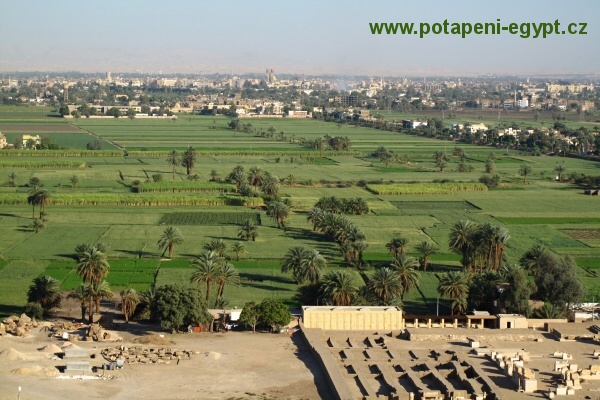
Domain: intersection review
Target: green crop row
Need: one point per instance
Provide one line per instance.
(67, 199)
(42, 164)
(61, 153)
(186, 186)
(213, 218)
(426, 188)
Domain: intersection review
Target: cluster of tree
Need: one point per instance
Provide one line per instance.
(482, 246)
(332, 204)
(339, 229)
(187, 159)
(397, 247)
(212, 269)
(386, 156)
(93, 268)
(555, 282)
(268, 313)
(327, 142)
(248, 184)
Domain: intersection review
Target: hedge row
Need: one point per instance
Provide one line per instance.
(186, 186)
(426, 188)
(67, 199)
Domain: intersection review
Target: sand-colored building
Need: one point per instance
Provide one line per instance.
(3, 142)
(352, 318)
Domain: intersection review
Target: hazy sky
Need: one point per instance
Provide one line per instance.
(311, 37)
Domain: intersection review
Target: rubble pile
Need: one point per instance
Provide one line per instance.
(142, 355)
(99, 334)
(18, 326)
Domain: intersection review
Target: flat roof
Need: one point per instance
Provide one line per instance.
(351, 308)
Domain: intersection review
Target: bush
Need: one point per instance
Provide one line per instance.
(490, 181)
(33, 310)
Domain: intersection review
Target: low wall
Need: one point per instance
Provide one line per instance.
(466, 334)
(542, 323)
(316, 341)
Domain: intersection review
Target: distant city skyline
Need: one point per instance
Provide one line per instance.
(311, 37)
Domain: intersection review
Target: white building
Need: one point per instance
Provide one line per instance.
(523, 103)
(3, 142)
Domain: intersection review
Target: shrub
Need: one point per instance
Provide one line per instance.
(33, 310)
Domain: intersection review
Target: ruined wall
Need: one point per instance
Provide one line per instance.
(336, 380)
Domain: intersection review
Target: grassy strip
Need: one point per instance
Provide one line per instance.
(250, 153)
(425, 188)
(61, 153)
(80, 199)
(209, 218)
(186, 186)
(42, 164)
(547, 221)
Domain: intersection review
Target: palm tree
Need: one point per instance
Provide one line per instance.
(38, 225)
(174, 160)
(188, 159)
(459, 305)
(129, 301)
(12, 179)
(453, 285)
(255, 176)
(236, 176)
(45, 291)
(270, 186)
(292, 261)
(42, 198)
(218, 246)
(427, 249)
(32, 201)
(248, 230)
(214, 175)
(99, 291)
(290, 179)
(560, 170)
(531, 260)
(462, 240)
(406, 268)
(339, 286)
(279, 212)
(238, 248)
(549, 311)
(311, 266)
(92, 266)
(525, 170)
(315, 216)
(385, 285)
(74, 180)
(227, 275)
(397, 244)
(207, 270)
(81, 294)
(170, 237)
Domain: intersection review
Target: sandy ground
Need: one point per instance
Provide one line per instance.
(234, 365)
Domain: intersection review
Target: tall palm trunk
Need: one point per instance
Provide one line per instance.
(33, 212)
(207, 291)
(91, 309)
(171, 250)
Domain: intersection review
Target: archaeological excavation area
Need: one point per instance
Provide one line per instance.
(460, 363)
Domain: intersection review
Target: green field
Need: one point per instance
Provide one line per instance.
(105, 207)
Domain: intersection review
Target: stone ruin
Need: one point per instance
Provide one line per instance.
(572, 377)
(17, 326)
(514, 367)
(145, 355)
(374, 370)
(98, 334)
